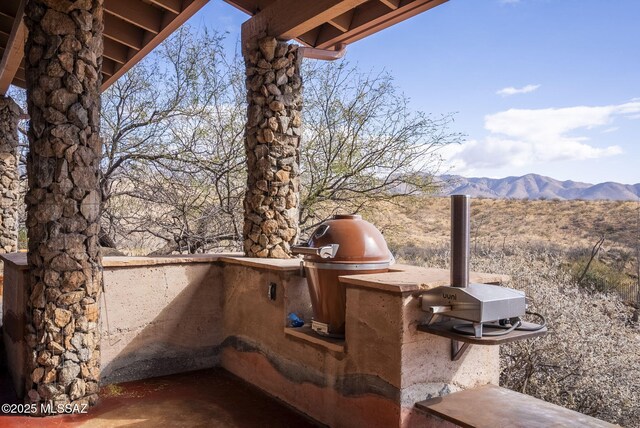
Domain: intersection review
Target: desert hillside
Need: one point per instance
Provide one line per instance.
(424, 221)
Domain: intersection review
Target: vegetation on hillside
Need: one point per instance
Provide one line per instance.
(589, 360)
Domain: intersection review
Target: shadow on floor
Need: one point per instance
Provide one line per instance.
(205, 398)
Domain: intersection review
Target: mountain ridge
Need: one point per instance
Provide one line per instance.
(535, 186)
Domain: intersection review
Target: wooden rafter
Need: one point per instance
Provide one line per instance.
(123, 32)
(108, 67)
(173, 6)
(136, 12)
(8, 9)
(150, 41)
(391, 4)
(250, 7)
(371, 18)
(6, 22)
(14, 51)
(134, 27)
(309, 38)
(343, 22)
(314, 23)
(115, 51)
(288, 19)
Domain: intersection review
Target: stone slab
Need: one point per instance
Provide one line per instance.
(19, 260)
(256, 262)
(490, 406)
(408, 279)
(306, 334)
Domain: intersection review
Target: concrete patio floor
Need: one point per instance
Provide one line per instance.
(206, 398)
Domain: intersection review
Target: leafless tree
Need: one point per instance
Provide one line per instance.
(362, 142)
(173, 136)
(173, 167)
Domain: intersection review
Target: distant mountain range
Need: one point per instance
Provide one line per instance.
(533, 186)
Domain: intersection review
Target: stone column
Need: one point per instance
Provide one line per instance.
(272, 143)
(9, 178)
(63, 57)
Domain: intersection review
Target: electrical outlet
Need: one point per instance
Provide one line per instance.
(271, 291)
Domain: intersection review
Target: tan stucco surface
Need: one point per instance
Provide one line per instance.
(186, 313)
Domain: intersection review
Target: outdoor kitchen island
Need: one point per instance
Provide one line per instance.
(173, 314)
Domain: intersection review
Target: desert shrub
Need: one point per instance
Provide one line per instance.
(599, 277)
(437, 256)
(588, 361)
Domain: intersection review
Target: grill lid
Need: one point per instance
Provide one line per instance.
(357, 241)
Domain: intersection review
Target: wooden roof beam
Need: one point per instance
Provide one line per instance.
(288, 19)
(391, 4)
(115, 51)
(189, 7)
(309, 38)
(343, 22)
(6, 22)
(173, 6)
(250, 7)
(19, 83)
(12, 55)
(108, 66)
(9, 8)
(371, 18)
(123, 32)
(140, 14)
(20, 73)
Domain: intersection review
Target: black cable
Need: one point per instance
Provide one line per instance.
(540, 326)
(468, 329)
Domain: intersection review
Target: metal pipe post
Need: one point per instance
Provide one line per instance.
(460, 228)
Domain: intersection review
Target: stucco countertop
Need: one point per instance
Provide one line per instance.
(407, 279)
(400, 279)
(19, 260)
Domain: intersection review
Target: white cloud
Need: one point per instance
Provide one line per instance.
(508, 91)
(519, 137)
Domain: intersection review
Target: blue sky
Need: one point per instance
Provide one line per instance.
(544, 86)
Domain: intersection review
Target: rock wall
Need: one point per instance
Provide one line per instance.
(63, 58)
(9, 178)
(272, 143)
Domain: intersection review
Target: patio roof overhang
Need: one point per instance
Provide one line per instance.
(132, 28)
(326, 24)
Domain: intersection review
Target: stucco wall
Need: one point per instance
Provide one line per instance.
(162, 316)
(385, 368)
(159, 320)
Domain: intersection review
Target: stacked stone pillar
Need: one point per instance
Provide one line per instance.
(9, 178)
(63, 58)
(272, 143)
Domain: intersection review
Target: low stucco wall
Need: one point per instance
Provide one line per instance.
(159, 316)
(160, 320)
(168, 315)
(386, 365)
